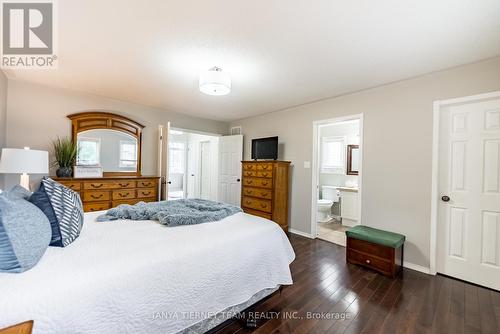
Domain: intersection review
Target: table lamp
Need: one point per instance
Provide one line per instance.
(24, 162)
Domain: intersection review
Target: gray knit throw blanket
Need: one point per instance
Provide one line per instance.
(173, 213)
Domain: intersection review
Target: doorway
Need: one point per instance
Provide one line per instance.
(465, 227)
(192, 165)
(336, 177)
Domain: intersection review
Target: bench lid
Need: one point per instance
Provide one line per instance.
(380, 237)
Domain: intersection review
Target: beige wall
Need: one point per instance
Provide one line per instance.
(397, 147)
(36, 115)
(3, 116)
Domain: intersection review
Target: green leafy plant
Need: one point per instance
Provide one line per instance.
(64, 152)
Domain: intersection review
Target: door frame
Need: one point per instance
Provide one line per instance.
(316, 164)
(200, 167)
(437, 107)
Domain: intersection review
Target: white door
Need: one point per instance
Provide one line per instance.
(230, 156)
(205, 170)
(162, 166)
(468, 231)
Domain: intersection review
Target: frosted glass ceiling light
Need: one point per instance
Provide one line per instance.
(215, 82)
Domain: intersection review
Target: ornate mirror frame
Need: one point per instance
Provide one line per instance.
(92, 120)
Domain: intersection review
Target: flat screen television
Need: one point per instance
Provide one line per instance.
(265, 148)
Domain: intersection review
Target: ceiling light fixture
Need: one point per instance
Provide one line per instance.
(215, 82)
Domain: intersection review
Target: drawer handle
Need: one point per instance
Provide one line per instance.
(264, 174)
(123, 195)
(93, 185)
(98, 209)
(263, 194)
(146, 184)
(248, 202)
(146, 193)
(248, 192)
(263, 205)
(264, 183)
(265, 167)
(368, 261)
(96, 197)
(124, 185)
(249, 181)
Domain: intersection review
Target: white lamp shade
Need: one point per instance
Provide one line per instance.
(18, 161)
(215, 82)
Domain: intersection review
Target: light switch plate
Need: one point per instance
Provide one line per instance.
(307, 164)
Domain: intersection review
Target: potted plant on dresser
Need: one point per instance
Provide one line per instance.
(65, 156)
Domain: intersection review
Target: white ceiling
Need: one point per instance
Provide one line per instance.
(280, 53)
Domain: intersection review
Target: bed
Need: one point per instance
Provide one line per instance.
(142, 277)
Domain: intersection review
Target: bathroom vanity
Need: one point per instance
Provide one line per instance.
(349, 210)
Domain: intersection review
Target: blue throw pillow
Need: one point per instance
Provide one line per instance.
(63, 207)
(24, 232)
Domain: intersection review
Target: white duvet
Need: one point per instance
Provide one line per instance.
(142, 277)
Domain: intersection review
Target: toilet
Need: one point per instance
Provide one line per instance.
(330, 195)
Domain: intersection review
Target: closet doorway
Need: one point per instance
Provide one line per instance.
(192, 165)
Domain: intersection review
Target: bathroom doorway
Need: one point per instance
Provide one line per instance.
(336, 177)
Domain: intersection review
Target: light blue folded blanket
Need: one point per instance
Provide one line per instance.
(173, 213)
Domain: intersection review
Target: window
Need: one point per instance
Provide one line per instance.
(128, 154)
(176, 156)
(89, 151)
(333, 155)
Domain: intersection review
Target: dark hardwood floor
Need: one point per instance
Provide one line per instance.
(371, 303)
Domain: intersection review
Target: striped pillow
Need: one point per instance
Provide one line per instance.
(63, 207)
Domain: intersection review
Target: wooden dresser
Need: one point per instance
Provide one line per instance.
(265, 190)
(106, 192)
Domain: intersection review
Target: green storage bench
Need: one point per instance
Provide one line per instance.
(376, 249)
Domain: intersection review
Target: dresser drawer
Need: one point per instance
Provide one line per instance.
(257, 213)
(257, 192)
(124, 184)
(97, 206)
(92, 196)
(123, 194)
(98, 185)
(249, 173)
(257, 204)
(257, 182)
(249, 166)
(146, 192)
(72, 185)
(265, 173)
(146, 184)
(264, 166)
(132, 201)
(369, 261)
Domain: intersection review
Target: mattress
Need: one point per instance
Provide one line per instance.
(140, 276)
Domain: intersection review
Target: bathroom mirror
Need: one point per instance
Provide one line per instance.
(352, 159)
(110, 141)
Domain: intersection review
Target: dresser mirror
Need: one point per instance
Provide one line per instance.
(107, 140)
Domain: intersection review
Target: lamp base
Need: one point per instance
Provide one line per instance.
(25, 181)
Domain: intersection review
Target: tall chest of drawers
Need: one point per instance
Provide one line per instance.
(265, 190)
(107, 192)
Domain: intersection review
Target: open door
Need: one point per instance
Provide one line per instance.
(230, 156)
(162, 167)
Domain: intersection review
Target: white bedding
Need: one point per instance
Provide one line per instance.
(142, 277)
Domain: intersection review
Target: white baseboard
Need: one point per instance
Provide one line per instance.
(417, 267)
(302, 234)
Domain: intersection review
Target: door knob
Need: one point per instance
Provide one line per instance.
(445, 198)
(169, 182)
(238, 180)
